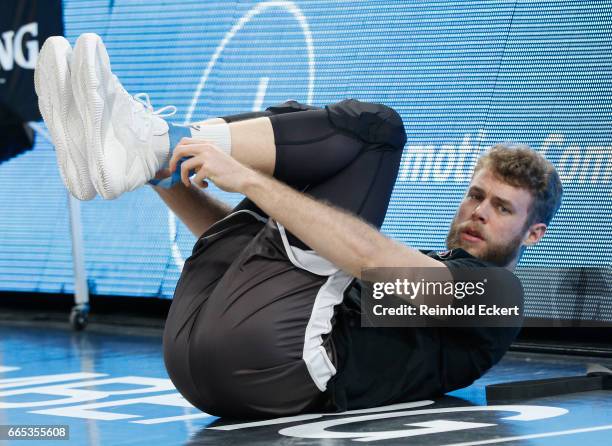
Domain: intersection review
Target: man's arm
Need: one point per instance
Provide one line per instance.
(342, 238)
(196, 209)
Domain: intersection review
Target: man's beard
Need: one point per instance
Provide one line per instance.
(500, 255)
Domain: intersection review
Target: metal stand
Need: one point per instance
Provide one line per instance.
(80, 311)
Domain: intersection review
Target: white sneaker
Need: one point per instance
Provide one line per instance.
(127, 142)
(56, 104)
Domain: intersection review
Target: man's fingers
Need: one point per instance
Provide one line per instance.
(200, 177)
(187, 149)
(191, 163)
(176, 155)
(180, 151)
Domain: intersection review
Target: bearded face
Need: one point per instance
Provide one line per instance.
(469, 237)
(491, 222)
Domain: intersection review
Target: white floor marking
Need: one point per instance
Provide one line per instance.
(542, 435)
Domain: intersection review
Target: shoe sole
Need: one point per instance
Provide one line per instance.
(91, 68)
(53, 87)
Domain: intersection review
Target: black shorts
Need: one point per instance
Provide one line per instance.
(248, 334)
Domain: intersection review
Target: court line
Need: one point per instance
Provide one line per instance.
(541, 435)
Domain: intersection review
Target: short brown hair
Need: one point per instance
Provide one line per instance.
(521, 166)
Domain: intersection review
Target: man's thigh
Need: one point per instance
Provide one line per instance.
(212, 255)
(258, 343)
(272, 319)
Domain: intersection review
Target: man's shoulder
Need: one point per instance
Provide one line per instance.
(465, 267)
(457, 255)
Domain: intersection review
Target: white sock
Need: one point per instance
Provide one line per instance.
(218, 134)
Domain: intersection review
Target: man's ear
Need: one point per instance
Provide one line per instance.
(534, 234)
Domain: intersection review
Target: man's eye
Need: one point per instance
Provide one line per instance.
(504, 209)
(474, 196)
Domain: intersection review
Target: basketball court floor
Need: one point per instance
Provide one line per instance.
(110, 387)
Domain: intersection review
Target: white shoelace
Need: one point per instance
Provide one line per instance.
(142, 102)
(145, 100)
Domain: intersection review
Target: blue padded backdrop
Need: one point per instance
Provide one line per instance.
(463, 75)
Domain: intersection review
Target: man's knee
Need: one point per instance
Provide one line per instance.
(372, 123)
(290, 106)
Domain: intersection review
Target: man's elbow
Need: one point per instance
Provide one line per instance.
(372, 257)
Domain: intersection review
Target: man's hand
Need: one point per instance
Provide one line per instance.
(210, 163)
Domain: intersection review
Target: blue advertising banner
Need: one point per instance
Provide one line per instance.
(463, 75)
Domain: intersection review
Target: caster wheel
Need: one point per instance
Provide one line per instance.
(78, 319)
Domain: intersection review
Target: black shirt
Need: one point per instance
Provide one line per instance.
(386, 365)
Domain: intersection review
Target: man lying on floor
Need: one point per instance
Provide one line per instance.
(265, 319)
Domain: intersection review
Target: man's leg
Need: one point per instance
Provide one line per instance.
(347, 154)
(197, 209)
(252, 143)
(257, 342)
(300, 146)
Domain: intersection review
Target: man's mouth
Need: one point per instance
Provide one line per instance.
(471, 235)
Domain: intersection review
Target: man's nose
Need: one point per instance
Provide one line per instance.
(481, 212)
